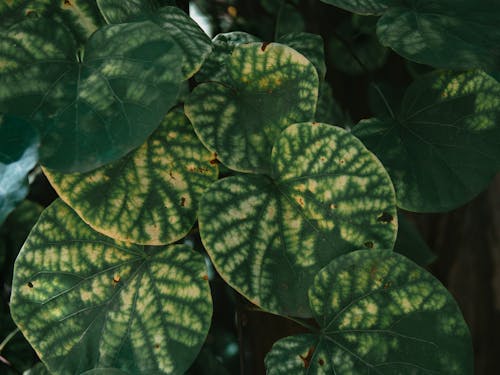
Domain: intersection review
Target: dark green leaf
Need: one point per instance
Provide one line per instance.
(272, 86)
(443, 148)
(361, 6)
(268, 237)
(355, 48)
(92, 105)
(38, 369)
(411, 244)
(19, 144)
(454, 34)
(191, 39)
(151, 195)
(328, 110)
(379, 313)
(85, 301)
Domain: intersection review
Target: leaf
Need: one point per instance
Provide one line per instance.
(93, 111)
(19, 144)
(215, 66)
(365, 7)
(355, 48)
(309, 45)
(411, 244)
(269, 236)
(446, 34)
(191, 39)
(272, 87)
(85, 301)
(444, 146)
(151, 195)
(81, 17)
(378, 313)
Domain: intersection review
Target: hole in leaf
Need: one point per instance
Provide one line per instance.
(321, 361)
(385, 218)
(183, 201)
(369, 244)
(30, 284)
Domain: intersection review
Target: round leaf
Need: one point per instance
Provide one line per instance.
(365, 7)
(444, 146)
(18, 155)
(379, 313)
(151, 195)
(453, 34)
(86, 301)
(191, 39)
(268, 237)
(272, 87)
(93, 105)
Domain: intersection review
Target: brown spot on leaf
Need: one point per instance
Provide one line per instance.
(300, 201)
(342, 161)
(214, 160)
(116, 279)
(30, 284)
(308, 357)
(387, 285)
(333, 206)
(171, 175)
(67, 3)
(321, 361)
(264, 46)
(369, 244)
(385, 218)
(205, 277)
(183, 201)
(323, 159)
(157, 346)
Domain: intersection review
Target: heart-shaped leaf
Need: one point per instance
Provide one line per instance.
(86, 301)
(19, 144)
(378, 313)
(365, 7)
(453, 34)
(92, 105)
(191, 39)
(272, 86)
(151, 195)
(443, 148)
(81, 17)
(268, 237)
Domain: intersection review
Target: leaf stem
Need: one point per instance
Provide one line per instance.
(382, 96)
(8, 338)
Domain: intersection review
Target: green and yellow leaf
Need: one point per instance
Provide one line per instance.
(378, 313)
(272, 86)
(151, 195)
(269, 236)
(443, 148)
(92, 105)
(85, 301)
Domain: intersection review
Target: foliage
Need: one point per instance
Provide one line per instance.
(159, 140)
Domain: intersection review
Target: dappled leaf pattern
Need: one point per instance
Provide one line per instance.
(272, 86)
(378, 313)
(269, 236)
(151, 195)
(86, 301)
